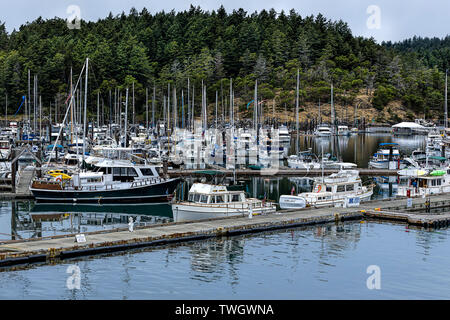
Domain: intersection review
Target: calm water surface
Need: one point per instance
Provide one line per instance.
(326, 262)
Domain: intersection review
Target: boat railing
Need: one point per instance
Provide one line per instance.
(232, 205)
(68, 184)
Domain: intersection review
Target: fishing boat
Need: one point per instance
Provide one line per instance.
(111, 181)
(206, 201)
(339, 189)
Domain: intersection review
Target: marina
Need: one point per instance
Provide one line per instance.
(211, 154)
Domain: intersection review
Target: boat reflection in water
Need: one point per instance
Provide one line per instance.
(43, 220)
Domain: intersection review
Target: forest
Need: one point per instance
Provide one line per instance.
(147, 50)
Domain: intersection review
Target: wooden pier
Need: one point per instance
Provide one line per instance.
(48, 249)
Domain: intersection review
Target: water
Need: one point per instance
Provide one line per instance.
(326, 262)
(358, 148)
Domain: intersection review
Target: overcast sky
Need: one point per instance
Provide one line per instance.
(393, 20)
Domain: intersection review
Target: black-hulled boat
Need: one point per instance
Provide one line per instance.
(112, 181)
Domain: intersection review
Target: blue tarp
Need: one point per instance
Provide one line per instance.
(58, 146)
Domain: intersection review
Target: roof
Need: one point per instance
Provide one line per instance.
(207, 188)
(408, 125)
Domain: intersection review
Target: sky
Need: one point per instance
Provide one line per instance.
(384, 20)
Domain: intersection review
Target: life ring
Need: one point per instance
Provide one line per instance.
(58, 179)
(319, 188)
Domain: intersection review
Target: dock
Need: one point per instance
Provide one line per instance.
(281, 172)
(57, 248)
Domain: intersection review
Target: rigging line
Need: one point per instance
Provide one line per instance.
(67, 112)
(23, 100)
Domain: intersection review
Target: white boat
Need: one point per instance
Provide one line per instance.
(283, 135)
(323, 131)
(433, 182)
(5, 149)
(343, 131)
(339, 189)
(409, 128)
(206, 201)
(304, 160)
(387, 157)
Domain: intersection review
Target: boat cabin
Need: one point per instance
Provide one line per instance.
(212, 194)
(125, 171)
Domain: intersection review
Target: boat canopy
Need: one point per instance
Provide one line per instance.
(411, 125)
(384, 144)
(207, 188)
(57, 146)
(437, 158)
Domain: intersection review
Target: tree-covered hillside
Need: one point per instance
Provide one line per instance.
(155, 49)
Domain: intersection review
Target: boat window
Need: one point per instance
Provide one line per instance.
(191, 197)
(132, 172)
(116, 171)
(204, 198)
(340, 188)
(147, 171)
(350, 187)
(328, 188)
(436, 182)
(196, 197)
(213, 199)
(219, 199)
(235, 198)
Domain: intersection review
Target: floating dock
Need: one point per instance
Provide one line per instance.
(280, 172)
(49, 249)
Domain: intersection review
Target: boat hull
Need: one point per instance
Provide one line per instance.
(154, 193)
(298, 202)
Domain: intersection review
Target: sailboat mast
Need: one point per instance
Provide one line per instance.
(216, 106)
(146, 108)
(296, 112)
(445, 103)
(134, 111)
(255, 111)
(85, 108)
(333, 120)
(153, 106)
(126, 119)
